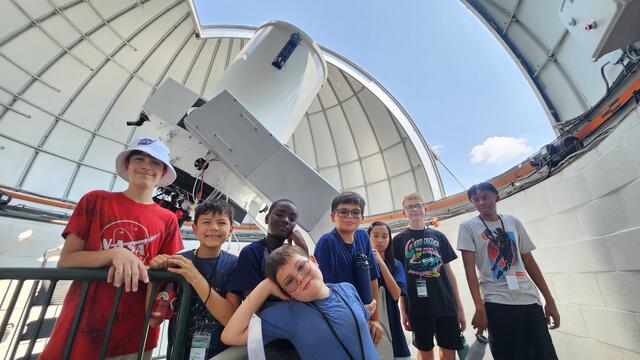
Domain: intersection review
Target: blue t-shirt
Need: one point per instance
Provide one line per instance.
(399, 342)
(335, 257)
(250, 270)
(303, 325)
(217, 272)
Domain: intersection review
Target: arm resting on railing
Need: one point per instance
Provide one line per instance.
(125, 266)
(222, 308)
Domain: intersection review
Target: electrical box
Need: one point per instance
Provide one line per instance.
(602, 26)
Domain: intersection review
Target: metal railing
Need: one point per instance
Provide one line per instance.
(87, 276)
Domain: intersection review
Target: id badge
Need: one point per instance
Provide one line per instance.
(512, 282)
(199, 346)
(421, 287)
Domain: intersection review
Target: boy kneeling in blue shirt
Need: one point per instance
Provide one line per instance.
(322, 321)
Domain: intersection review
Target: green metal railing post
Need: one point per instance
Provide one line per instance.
(88, 275)
(112, 319)
(177, 352)
(25, 314)
(10, 307)
(147, 318)
(76, 320)
(43, 311)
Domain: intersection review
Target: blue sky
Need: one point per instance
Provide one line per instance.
(459, 85)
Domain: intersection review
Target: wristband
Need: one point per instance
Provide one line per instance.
(208, 296)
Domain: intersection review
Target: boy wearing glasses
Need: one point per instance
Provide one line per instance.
(281, 220)
(323, 321)
(505, 293)
(336, 250)
(433, 304)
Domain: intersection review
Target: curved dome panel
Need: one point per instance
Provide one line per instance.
(75, 71)
(554, 61)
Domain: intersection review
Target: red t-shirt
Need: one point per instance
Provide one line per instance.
(106, 220)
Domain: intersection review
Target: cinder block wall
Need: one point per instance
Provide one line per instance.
(585, 222)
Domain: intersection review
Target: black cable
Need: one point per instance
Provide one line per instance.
(631, 67)
(606, 82)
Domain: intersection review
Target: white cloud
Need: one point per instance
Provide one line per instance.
(496, 150)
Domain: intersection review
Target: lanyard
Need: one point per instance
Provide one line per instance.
(333, 330)
(213, 269)
(489, 233)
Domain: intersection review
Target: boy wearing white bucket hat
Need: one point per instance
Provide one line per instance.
(123, 231)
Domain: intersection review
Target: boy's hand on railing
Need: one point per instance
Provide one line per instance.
(159, 262)
(181, 265)
(126, 268)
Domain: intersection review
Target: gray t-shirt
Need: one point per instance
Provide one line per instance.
(498, 257)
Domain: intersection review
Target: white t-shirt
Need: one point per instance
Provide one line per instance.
(497, 260)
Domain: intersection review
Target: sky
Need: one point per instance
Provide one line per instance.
(459, 85)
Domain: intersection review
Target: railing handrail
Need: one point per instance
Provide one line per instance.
(36, 273)
(83, 274)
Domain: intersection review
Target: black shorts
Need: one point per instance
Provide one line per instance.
(445, 328)
(519, 332)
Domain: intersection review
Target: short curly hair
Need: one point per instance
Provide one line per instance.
(486, 186)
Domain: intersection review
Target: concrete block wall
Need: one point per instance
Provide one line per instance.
(585, 222)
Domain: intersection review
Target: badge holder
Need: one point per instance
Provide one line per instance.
(199, 346)
(512, 282)
(421, 288)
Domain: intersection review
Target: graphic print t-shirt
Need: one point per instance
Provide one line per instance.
(423, 254)
(106, 220)
(498, 256)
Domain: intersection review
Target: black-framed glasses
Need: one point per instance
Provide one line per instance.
(343, 213)
(414, 206)
(290, 283)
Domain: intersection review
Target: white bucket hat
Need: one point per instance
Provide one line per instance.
(156, 149)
